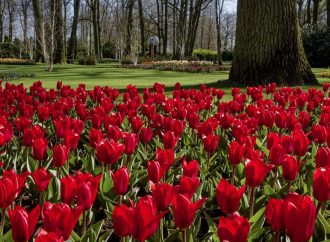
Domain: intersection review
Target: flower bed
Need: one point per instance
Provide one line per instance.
(180, 66)
(82, 165)
(14, 61)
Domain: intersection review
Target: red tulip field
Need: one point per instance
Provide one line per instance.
(145, 165)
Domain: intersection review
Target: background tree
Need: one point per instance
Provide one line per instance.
(271, 51)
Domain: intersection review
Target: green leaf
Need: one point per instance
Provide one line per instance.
(105, 236)
(93, 232)
(212, 228)
(8, 237)
(74, 237)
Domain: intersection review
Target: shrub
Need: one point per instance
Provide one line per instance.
(317, 45)
(227, 55)
(109, 50)
(90, 60)
(108, 61)
(82, 61)
(205, 55)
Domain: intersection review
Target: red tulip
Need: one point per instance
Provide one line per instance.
(190, 169)
(322, 158)
(272, 139)
(44, 236)
(60, 155)
(146, 135)
(11, 185)
(71, 139)
(228, 196)
(43, 113)
(121, 181)
(300, 143)
(23, 223)
(321, 184)
(155, 171)
(235, 153)
(256, 171)
(233, 228)
(39, 149)
(286, 142)
(211, 142)
(290, 167)
(188, 186)
(95, 137)
(319, 133)
(184, 210)
(87, 187)
(68, 189)
(275, 214)
(60, 218)
(41, 178)
(299, 217)
(109, 151)
(136, 123)
(146, 219)
(169, 140)
(122, 220)
(165, 158)
(163, 194)
(276, 154)
(130, 141)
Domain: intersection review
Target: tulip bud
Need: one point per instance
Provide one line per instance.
(121, 181)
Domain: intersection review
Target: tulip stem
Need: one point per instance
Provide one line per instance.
(276, 236)
(84, 225)
(275, 178)
(251, 201)
(289, 186)
(208, 161)
(3, 217)
(184, 235)
(233, 175)
(319, 205)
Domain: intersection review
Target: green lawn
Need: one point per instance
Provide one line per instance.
(107, 74)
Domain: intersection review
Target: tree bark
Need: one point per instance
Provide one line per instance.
(129, 27)
(165, 35)
(38, 20)
(316, 4)
(328, 13)
(269, 45)
(11, 17)
(308, 9)
(73, 37)
(218, 11)
(2, 8)
(59, 34)
(141, 18)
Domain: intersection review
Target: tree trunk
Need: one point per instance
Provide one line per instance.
(300, 9)
(11, 15)
(129, 27)
(38, 28)
(308, 9)
(165, 35)
(271, 51)
(218, 10)
(328, 13)
(2, 8)
(59, 36)
(73, 38)
(316, 4)
(143, 45)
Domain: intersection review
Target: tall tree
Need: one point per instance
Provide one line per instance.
(269, 45)
(142, 34)
(59, 34)
(74, 27)
(129, 26)
(11, 7)
(218, 10)
(316, 6)
(38, 28)
(95, 9)
(328, 13)
(2, 9)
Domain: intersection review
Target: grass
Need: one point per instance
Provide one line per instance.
(108, 75)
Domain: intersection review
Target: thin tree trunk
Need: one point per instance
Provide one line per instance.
(218, 10)
(141, 18)
(2, 8)
(316, 4)
(73, 38)
(165, 36)
(272, 51)
(308, 9)
(328, 13)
